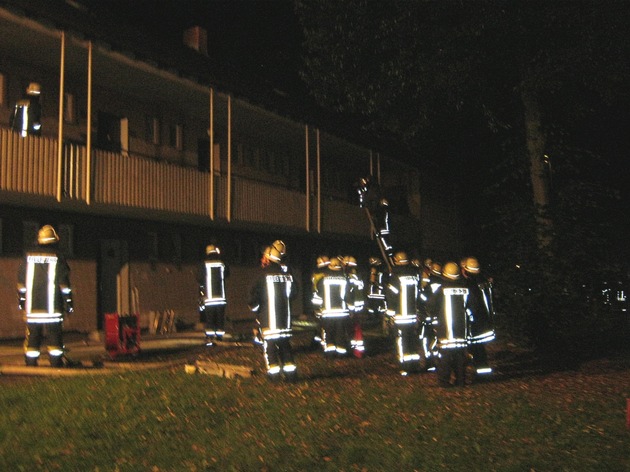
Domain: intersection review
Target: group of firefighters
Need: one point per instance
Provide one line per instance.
(440, 316)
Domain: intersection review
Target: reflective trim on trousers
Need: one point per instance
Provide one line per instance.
(483, 338)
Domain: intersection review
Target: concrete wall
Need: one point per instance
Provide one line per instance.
(160, 287)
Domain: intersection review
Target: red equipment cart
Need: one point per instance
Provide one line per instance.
(122, 334)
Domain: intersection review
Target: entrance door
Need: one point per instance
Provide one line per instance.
(113, 283)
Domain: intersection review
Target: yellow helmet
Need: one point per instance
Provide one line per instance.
(279, 246)
(47, 235)
(335, 264)
(323, 261)
(451, 271)
(212, 249)
(436, 268)
(400, 258)
(415, 262)
(471, 264)
(33, 89)
(349, 261)
(375, 261)
(427, 263)
(272, 254)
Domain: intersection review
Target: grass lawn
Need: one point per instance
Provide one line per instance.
(342, 415)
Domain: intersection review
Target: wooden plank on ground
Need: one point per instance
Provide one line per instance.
(228, 371)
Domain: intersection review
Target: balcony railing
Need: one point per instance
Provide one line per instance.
(30, 166)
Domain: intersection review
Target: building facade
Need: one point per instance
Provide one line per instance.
(140, 165)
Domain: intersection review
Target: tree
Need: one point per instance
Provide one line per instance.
(414, 69)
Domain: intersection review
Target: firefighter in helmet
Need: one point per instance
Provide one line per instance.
(376, 306)
(381, 223)
(356, 306)
(270, 299)
(27, 114)
(448, 305)
(480, 312)
(45, 296)
(212, 277)
(334, 295)
(321, 264)
(402, 293)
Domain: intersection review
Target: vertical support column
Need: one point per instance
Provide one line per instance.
(371, 164)
(319, 186)
(308, 180)
(88, 171)
(229, 160)
(60, 134)
(211, 136)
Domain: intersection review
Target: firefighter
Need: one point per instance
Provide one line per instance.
(26, 117)
(212, 277)
(426, 273)
(322, 264)
(356, 307)
(334, 295)
(427, 322)
(448, 305)
(480, 314)
(376, 306)
(378, 208)
(45, 296)
(270, 299)
(369, 194)
(381, 223)
(402, 293)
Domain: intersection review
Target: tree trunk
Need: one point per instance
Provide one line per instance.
(535, 141)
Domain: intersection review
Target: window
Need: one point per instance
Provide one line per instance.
(69, 111)
(152, 130)
(176, 138)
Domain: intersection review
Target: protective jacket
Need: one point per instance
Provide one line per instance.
(212, 282)
(26, 117)
(44, 286)
(402, 294)
(480, 309)
(402, 306)
(333, 295)
(270, 299)
(449, 306)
